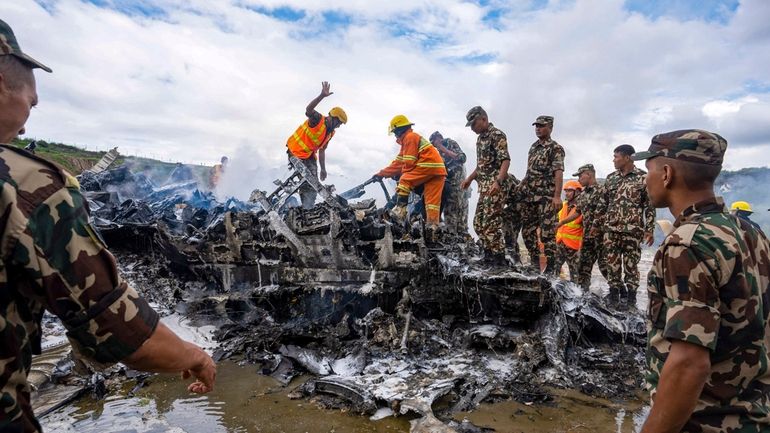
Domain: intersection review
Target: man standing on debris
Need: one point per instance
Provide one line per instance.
(491, 174)
(454, 200)
(586, 206)
(417, 163)
(53, 260)
(512, 220)
(311, 138)
(708, 317)
(541, 193)
(628, 219)
(569, 231)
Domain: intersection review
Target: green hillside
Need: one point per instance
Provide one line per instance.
(75, 160)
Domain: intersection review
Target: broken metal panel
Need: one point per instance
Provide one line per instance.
(105, 162)
(382, 316)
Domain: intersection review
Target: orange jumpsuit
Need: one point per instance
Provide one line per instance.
(418, 163)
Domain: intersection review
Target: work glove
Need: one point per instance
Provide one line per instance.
(377, 178)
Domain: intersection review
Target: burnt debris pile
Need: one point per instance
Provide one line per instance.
(386, 319)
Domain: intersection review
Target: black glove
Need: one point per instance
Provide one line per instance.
(377, 178)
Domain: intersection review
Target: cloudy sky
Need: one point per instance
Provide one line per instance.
(191, 80)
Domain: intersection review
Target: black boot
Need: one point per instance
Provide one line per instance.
(614, 298)
(501, 262)
(623, 301)
(630, 299)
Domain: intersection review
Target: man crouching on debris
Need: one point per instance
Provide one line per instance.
(708, 288)
(418, 163)
(53, 260)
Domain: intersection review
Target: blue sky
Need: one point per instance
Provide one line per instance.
(193, 79)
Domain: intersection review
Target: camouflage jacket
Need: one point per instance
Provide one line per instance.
(709, 286)
(544, 159)
(53, 260)
(624, 206)
(453, 164)
(491, 151)
(588, 206)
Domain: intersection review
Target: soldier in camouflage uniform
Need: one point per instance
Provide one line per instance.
(541, 194)
(491, 174)
(454, 200)
(627, 219)
(512, 220)
(708, 325)
(53, 260)
(587, 206)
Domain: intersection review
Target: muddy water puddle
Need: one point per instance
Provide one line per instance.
(245, 401)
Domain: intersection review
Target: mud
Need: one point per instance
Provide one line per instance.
(246, 401)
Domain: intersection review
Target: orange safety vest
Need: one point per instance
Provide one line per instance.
(570, 234)
(306, 140)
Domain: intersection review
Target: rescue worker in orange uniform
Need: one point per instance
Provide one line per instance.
(418, 163)
(569, 231)
(310, 140)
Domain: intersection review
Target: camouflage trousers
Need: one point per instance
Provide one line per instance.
(622, 252)
(512, 228)
(539, 215)
(590, 253)
(572, 257)
(307, 194)
(488, 222)
(454, 203)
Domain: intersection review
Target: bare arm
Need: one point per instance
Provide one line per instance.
(324, 93)
(165, 352)
(681, 382)
(501, 175)
(322, 162)
(441, 148)
(467, 182)
(572, 217)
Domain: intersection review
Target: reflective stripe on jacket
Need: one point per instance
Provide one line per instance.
(418, 155)
(305, 141)
(570, 234)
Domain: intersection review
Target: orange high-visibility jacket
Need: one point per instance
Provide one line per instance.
(306, 140)
(570, 234)
(417, 155)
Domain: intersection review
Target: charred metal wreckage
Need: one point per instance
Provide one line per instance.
(386, 319)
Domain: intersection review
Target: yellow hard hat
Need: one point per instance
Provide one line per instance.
(339, 113)
(398, 121)
(741, 205)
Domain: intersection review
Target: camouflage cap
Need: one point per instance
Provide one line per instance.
(692, 145)
(584, 167)
(10, 46)
(473, 113)
(434, 136)
(543, 120)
